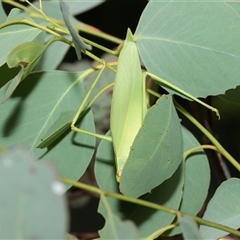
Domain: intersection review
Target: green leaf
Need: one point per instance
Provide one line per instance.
(35, 106)
(25, 56)
(32, 203)
(115, 228)
(232, 95)
(14, 35)
(78, 43)
(12, 84)
(189, 228)
(223, 208)
(154, 156)
(147, 220)
(192, 44)
(81, 6)
(3, 15)
(196, 176)
(53, 56)
(7, 73)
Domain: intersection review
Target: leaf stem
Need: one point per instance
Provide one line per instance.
(161, 231)
(107, 50)
(194, 149)
(215, 142)
(100, 93)
(182, 92)
(18, 5)
(33, 24)
(148, 204)
(83, 107)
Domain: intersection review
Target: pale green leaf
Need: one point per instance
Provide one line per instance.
(25, 56)
(194, 45)
(10, 87)
(196, 176)
(32, 203)
(53, 56)
(14, 35)
(35, 106)
(7, 73)
(154, 156)
(189, 229)
(78, 43)
(3, 15)
(147, 220)
(81, 6)
(54, 53)
(115, 228)
(223, 208)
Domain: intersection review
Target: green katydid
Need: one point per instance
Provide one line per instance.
(128, 107)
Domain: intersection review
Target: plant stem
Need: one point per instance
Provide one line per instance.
(18, 5)
(215, 142)
(179, 90)
(192, 150)
(98, 33)
(33, 24)
(161, 231)
(149, 204)
(99, 94)
(107, 50)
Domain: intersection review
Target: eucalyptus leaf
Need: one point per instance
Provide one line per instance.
(223, 208)
(194, 45)
(7, 73)
(53, 56)
(115, 228)
(25, 56)
(196, 178)
(78, 43)
(12, 84)
(3, 15)
(35, 106)
(147, 220)
(154, 156)
(81, 6)
(32, 201)
(14, 35)
(189, 228)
